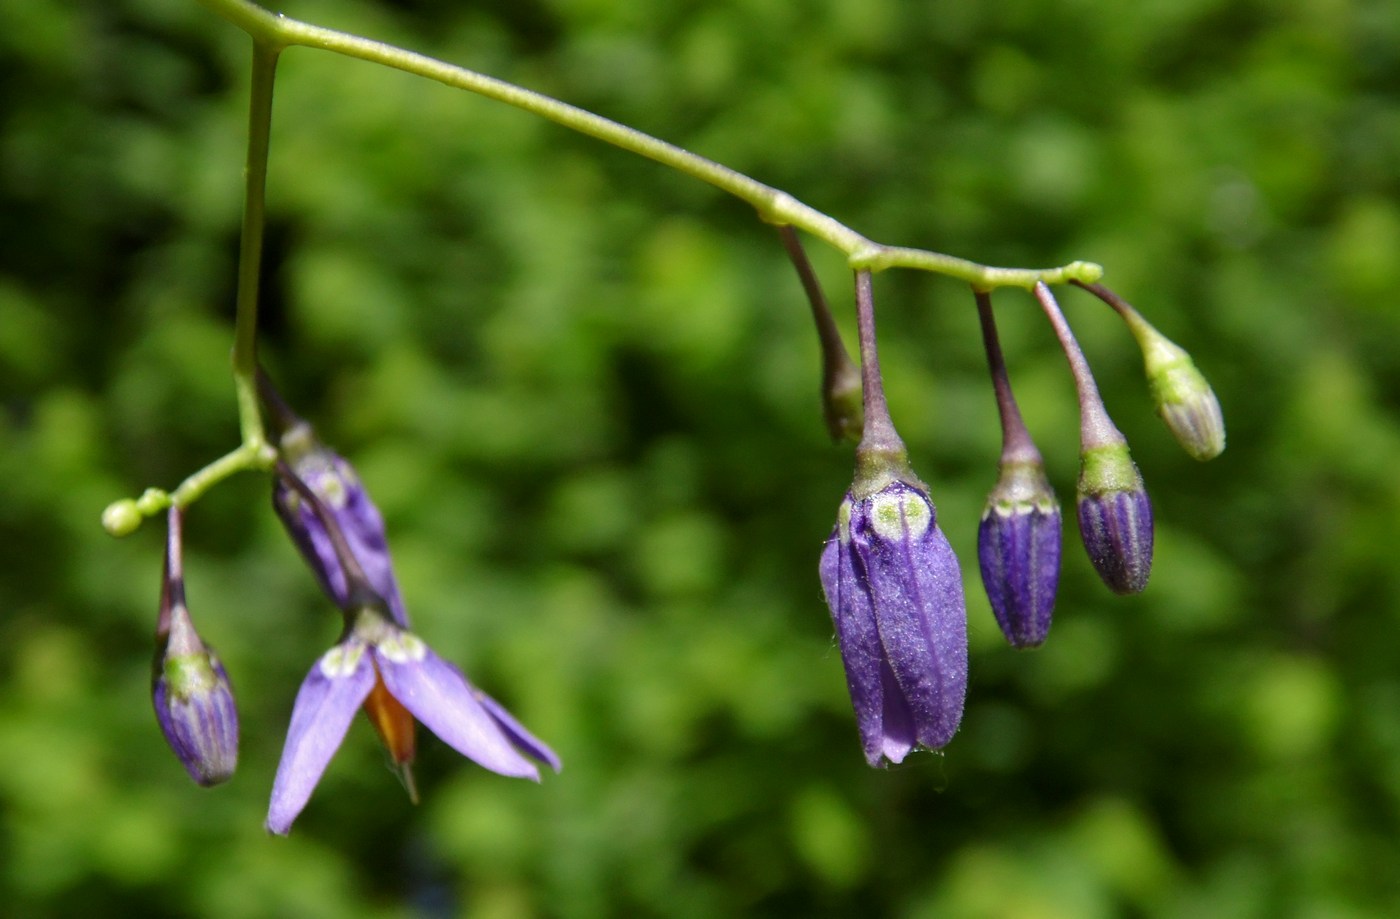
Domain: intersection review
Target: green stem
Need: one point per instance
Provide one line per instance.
(245, 342)
(773, 205)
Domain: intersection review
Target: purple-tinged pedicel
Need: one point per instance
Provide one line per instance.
(334, 481)
(1018, 551)
(1117, 532)
(895, 592)
(194, 704)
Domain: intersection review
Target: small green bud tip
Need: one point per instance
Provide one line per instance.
(122, 518)
(1185, 401)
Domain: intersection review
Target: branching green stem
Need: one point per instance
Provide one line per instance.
(773, 205)
(271, 33)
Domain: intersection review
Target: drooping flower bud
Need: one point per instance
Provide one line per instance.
(190, 688)
(1115, 515)
(1018, 539)
(334, 482)
(1018, 551)
(895, 592)
(894, 589)
(1183, 398)
(1115, 518)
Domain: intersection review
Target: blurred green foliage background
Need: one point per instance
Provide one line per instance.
(583, 391)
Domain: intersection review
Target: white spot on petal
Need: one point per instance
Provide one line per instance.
(402, 648)
(342, 660)
(901, 515)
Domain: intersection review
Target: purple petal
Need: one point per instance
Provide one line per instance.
(332, 693)
(897, 728)
(439, 696)
(920, 612)
(853, 614)
(522, 738)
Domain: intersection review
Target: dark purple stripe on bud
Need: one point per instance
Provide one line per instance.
(1018, 550)
(1115, 519)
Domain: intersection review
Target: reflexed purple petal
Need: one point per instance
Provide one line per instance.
(522, 738)
(439, 696)
(334, 690)
(920, 612)
(334, 481)
(853, 614)
(1018, 550)
(1117, 530)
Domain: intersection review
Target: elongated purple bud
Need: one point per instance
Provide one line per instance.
(895, 592)
(194, 705)
(1115, 518)
(190, 688)
(1018, 540)
(893, 586)
(1018, 550)
(334, 482)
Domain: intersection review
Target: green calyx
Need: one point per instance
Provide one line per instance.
(189, 675)
(1108, 469)
(878, 467)
(1022, 486)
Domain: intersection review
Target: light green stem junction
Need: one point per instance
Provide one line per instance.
(271, 33)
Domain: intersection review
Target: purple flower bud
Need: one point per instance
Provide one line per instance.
(194, 702)
(335, 483)
(1115, 518)
(895, 593)
(1018, 550)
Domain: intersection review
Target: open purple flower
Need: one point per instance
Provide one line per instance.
(396, 677)
(378, 664)
(895, 592)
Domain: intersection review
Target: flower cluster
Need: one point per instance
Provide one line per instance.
(890, 577)
(378, 665)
